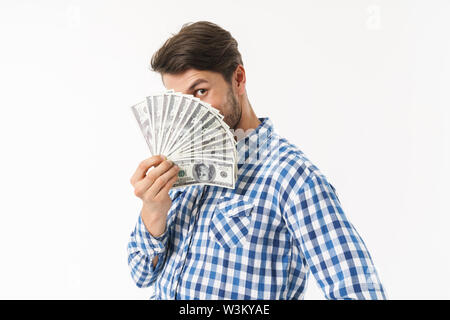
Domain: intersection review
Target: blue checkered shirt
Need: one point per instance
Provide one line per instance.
(260, 240)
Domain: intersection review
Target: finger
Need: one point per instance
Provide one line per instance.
(141, 187)
(143, 167)
(161, 181)
(165, 190)
(159, 170)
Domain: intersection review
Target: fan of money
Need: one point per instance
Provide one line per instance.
(192, 134)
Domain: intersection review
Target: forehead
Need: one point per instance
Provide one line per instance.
(184, 80)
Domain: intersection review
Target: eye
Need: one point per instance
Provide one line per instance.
(201, 91)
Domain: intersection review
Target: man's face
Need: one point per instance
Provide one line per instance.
(203, 173)
(210, 87)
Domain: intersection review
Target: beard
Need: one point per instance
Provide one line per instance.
(233, 117)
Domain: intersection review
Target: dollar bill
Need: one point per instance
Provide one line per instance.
(175, 114)
(140, 112)
(208, 172)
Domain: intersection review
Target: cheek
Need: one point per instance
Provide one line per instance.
(218, 103)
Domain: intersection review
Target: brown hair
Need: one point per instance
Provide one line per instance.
(201, 45)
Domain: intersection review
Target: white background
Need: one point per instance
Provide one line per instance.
(362, 87)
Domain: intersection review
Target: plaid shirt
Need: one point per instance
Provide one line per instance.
(260, 240)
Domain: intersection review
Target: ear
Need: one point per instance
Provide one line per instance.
(239, 79)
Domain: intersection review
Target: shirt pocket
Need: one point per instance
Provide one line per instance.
(231, 222)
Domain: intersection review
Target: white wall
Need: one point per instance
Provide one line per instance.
(362, 87)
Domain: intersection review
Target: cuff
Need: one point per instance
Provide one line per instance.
(150, 245)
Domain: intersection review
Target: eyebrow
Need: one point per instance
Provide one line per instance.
(196, 83)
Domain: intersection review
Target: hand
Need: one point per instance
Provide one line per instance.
(153, 188)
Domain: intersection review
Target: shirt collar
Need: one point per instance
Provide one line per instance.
(252, 143)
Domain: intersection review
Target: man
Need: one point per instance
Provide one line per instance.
(260, 240)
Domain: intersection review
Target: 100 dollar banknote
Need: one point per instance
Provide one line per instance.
(205, 172)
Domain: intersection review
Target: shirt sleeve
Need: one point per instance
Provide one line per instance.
(333, 250)
(143, 248)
